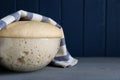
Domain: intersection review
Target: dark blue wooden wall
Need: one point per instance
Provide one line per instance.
(92, 27)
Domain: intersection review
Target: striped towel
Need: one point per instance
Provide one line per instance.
(63, 58)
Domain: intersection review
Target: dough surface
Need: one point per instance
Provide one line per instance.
(30, 29)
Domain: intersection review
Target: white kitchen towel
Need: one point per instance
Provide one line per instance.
(63, 57)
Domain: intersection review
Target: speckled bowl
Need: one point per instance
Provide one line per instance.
(21, 54)
(28, 45)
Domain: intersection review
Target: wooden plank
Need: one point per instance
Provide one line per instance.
(94, 35)
(72, 22)
(6, 7)
(113, 28)
(51, 8)
(28, 5)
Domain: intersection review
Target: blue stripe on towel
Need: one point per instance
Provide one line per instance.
(29, 16)
(58, 25)
(2, 24)
(62, 42)
(44, 19)
(16, 16)
(62, 58)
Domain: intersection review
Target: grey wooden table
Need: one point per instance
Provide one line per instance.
(86, 69)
